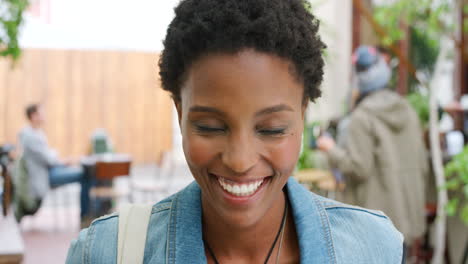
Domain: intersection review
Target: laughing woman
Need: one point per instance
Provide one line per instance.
(241, 73)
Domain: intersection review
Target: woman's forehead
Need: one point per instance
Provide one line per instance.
(244, 79)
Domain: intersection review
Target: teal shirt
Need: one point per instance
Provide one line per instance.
(328, 232)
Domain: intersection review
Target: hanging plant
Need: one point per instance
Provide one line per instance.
(11, 18)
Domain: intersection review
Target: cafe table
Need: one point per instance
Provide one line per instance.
(319, 179)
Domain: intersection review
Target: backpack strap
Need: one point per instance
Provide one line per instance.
(133, 226)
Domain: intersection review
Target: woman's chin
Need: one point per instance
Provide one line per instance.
(242, 220)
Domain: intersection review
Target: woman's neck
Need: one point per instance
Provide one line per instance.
(248, 244)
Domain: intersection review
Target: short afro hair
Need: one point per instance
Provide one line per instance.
(284, 28)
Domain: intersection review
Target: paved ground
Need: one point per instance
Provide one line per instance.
(47, 247)
(47, 235)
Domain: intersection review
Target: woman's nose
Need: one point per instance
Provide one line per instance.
(240, 154)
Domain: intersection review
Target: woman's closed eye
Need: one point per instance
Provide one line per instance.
(272, 131)
(214, 129)
(209, 129)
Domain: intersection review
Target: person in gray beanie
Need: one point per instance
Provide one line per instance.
(373, 72)
(383, 160)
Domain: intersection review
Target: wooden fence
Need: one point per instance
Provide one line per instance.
(85, 90)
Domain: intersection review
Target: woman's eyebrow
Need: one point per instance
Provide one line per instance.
(274, 109)
(265, 111)
(205, 109)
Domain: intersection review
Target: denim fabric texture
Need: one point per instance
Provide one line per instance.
(328, 232)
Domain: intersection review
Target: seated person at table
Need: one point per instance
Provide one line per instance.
(241, 74)
(43, 167)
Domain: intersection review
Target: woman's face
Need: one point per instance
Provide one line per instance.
(241, 118)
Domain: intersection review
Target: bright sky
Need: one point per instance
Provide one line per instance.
(98, 24)
(103, 24)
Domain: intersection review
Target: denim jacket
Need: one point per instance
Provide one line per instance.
(328, 232)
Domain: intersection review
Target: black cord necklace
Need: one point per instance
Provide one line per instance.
(283, 221)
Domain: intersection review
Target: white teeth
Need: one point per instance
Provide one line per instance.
(244, 188)
(240, 189)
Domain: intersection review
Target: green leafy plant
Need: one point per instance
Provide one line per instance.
(307, 156)
(424, 16)
(11, 18)
(426, 20)
(423, 53)
(465, 21)
(306, 159)
(420, 104)
(456, 172)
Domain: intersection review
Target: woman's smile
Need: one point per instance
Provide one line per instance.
(241, 191)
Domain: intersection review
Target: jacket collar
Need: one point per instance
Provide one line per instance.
(312, 225)
(185, 243)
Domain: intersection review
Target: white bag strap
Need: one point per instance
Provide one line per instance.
(133, 226)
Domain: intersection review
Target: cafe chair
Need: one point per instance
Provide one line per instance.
(157, 186)
(112, 183)
(173, 175)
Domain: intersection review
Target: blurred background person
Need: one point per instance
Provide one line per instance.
(43, 167)
(383, 158)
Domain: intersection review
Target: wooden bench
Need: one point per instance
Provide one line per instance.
(11, 242)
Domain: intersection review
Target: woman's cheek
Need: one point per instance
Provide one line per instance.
(199, 151)
(284, 155)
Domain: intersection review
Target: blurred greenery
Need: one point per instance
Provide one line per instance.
(465, 21)
(11, 18)
(456, 172)
(307, 159)
(427, 17)
(427, 20)
(420, 104)
(423, 53)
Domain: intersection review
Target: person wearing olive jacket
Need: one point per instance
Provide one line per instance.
(384, 160)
